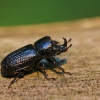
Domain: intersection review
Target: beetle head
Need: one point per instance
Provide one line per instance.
(58, 49)
(47, 47)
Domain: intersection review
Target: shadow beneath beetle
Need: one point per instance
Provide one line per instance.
(49, 66)
(52, 67)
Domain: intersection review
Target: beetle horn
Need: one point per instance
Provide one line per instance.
(65, 42)
(64, 46)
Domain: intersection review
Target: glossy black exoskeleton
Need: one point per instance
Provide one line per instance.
(28, 58)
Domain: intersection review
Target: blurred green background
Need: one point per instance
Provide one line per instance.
(24, 12)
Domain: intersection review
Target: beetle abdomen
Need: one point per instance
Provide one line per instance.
(19, 57)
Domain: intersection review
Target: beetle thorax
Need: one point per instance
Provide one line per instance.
(44, 46)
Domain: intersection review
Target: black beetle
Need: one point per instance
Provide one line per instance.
(28, 58)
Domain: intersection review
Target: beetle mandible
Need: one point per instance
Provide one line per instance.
(28, 58)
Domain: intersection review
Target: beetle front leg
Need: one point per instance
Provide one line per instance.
(54, 62)
(19, 75)
(43, 70)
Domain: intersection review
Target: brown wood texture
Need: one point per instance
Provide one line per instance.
(82, 60)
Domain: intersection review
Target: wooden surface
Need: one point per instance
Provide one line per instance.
(82, 60)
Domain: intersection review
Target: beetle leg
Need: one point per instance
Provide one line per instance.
(54, 62)
(43, 70)
(19, 75)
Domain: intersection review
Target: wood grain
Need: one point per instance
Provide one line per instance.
(82, 60)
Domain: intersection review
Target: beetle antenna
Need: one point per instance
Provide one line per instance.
(69, 40)
(69, 46)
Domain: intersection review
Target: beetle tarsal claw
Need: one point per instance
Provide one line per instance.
(68, 73)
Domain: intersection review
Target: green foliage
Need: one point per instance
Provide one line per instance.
(19, 12)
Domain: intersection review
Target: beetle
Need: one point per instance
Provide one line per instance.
(28, 58)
